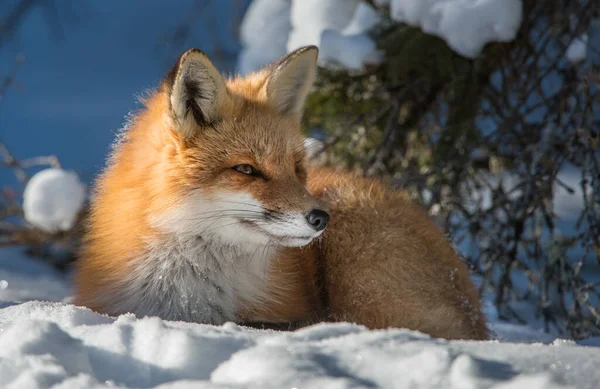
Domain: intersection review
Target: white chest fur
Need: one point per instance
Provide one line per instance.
(196, 280)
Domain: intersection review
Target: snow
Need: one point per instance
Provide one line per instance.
(365, 18)
(46, 344)
(52, 199)
(264, 34)
(311, 17)
(339, 27)
(351, 51)
(24, 279)
(272, 28)
(313, 147)
(466, 25)
(577, 50)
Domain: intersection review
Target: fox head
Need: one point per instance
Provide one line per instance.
(240, 152)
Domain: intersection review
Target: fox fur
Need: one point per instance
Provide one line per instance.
(201, 215)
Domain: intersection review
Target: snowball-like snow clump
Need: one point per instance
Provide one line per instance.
(52, 199)
(577, 50)
(466, 25)
(264, 33)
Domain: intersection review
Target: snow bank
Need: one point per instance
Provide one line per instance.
(52, 199)
(466, 25)
(57, 345)
(46, 344)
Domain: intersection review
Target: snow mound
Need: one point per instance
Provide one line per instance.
(466, 25)
(45, 345)
(52, 199)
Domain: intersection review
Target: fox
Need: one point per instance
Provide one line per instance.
(208, 211)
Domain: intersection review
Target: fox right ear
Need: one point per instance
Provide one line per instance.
(290, 80)
(196, 91)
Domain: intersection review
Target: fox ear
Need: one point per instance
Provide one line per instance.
(196, 91)
(290, 80)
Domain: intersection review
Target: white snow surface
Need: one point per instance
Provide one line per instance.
(466, 25)
(58, 345)
(44, 345)
(577, 50)
(52, 199)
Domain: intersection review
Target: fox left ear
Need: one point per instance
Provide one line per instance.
(290, 80)
(196, 91)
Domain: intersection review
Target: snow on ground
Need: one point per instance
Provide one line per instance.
(57, 345)
(24, 279)
(46, 344)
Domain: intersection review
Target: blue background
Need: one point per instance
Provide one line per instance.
(86, 63)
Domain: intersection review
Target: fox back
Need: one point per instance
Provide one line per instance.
(208, 212)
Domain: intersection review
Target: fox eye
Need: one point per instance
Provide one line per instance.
(246, 169)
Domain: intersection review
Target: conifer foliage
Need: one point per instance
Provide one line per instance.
(502, 149)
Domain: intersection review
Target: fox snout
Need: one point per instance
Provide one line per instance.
(318, 219)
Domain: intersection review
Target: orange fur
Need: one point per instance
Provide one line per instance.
(381, 262)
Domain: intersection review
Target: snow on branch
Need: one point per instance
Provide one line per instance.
(47, 218)
(341, 27)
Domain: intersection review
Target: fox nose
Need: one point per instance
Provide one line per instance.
(318, 219)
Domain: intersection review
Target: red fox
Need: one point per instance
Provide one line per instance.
(208, 212)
